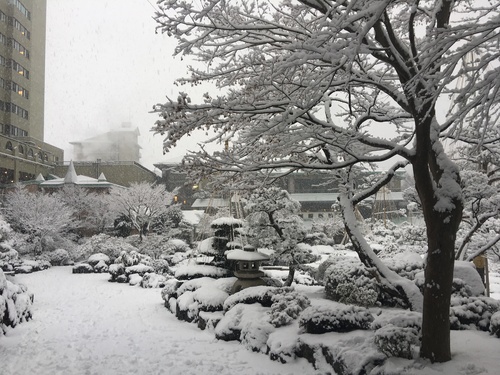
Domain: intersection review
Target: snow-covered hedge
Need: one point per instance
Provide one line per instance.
(398, 318)
(348, 281)
(257, 294)
(495, 324)
(194, 271)
(113, 247)
(287, 306)
(334, 318)
(15, 303)
(396, 341)
(472, 312)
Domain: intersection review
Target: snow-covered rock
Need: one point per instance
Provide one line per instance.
(98, 257)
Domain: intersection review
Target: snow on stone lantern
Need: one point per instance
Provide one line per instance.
(246, 267)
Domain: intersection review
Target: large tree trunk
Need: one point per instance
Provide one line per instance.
(438, 185)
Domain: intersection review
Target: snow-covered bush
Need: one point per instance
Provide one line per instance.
(245, 322)
(58, 257)
(334, 318)
(495, 324)
(158, 246)
(83, 268)
(102, 243)
(398, 318)
(472, 312)
(396, 341)
(193, 271)
(287, 306)
(170, 290)
(210, 298)
(406, 264)
(347, 280)
(257, 294)
(101, 267)
(98, 257)
(15, 303)
(28, 266)
(153, 280)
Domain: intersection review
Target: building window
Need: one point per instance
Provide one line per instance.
(19, 48)
(19, 26)
(20, 6)
(19, 90)
(8, 146)
(21, 149)
(40, 156)
(3, 39)
(3, 17)
(20, 69)
(46, 157)
(30, 153)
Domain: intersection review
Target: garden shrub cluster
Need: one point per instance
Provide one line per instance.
(335, 318)
(15, 303)
(472, 312)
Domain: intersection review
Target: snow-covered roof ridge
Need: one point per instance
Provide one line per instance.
(71, 176)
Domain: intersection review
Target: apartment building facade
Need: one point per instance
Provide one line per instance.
(23, 152)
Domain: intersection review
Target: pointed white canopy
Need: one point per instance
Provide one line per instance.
(71, 176)
(101, 177)
(39, 177)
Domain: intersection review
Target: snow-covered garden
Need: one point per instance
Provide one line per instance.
(126, 305)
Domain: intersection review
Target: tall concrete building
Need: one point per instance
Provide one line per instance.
(23, 152)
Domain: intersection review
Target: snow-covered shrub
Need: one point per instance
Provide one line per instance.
(187, 308)
(256, 294)
(170, 290)
(468, 273)
(396, 341)
(347, 280)
(495, 324)
(334, 318)
(140, 269)
(287, 306)
(158, 246)
(102, 243)
(101, 267)
(117, 272)
(15, 303)
(320, 273)
(153, 280)
(98, 257)
(8, 257)
(161, 266)
(134, 279)
(398, 318)
(362, 292)
(193, 271)
(28, 266)
(58, 257)
(83, 268)
(133, 258)
(406, 264)
(472, 312)
(210, 298)
(249, 322)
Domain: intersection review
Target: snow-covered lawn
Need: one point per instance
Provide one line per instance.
(82, 324)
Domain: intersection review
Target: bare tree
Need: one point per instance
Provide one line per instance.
(38, 215)
(141, 203)
(314, 85)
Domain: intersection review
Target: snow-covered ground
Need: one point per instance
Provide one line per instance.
(83, 324)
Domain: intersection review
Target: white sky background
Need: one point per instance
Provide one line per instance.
(104, 66)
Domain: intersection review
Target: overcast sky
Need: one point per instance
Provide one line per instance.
(104, 66)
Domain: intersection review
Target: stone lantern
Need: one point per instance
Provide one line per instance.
(246, 267)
